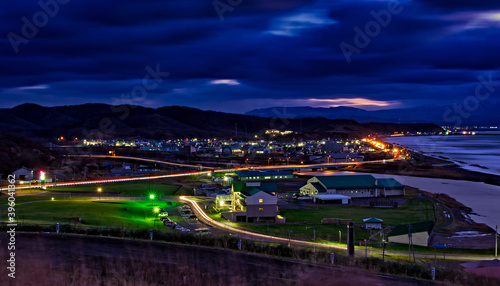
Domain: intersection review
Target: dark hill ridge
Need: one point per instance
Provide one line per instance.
(485, 115)
(106, 121)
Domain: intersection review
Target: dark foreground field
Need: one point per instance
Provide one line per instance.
(50, 259)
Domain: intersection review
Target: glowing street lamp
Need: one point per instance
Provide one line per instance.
(152, 197)
(269, 162)
(155, 210)
(42, 180)
(99, 190)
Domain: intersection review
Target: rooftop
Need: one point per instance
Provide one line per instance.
(372, 220)
(261, 173)
(347, 181)
(415, 228)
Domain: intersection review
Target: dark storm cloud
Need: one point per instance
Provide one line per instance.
(463, 4)
(269, 52)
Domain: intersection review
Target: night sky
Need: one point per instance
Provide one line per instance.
(237, 55)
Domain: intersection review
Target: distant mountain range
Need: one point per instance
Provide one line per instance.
(171, 122)
(442, 115)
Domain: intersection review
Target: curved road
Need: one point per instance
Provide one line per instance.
(359, 251)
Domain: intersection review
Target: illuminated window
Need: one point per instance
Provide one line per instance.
(261, 200)
(261, 209)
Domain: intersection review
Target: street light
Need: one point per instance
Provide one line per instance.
(314, 231)
(99, 190)
(155, 210)
(269, 162)
(289, 231)
(152, 197)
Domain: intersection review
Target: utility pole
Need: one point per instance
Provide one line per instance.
(366, 249)
(383, 245)
(409, 242)
(289, 231)
(421, 213)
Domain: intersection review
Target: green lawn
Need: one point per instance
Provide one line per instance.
(408, 213)
(299, 219)
(127, 189)
(23, 199)
(326, 232)
(129, 214)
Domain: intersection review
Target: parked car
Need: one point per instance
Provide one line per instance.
(162, 214)
(180, 228)
(171, 224)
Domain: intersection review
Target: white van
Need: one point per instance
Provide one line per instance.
(202, 231)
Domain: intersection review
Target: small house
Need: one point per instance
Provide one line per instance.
(373, 223)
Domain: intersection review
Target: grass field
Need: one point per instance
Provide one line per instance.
(408, 213)
(126, 189)
(129, 214)
(23, 199)
(299, 219)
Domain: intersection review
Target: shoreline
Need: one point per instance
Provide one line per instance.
(482, 199)
(469, 167)
(429, 167)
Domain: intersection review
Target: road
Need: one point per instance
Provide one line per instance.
(359, 251)
(148, 177)
(60, 259)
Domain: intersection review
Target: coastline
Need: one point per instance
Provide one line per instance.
(446, 158)
(482, 199)
(429, 167)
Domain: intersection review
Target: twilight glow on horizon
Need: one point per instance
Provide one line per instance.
(369, 54)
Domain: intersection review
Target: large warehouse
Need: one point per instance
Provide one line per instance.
(354, 186)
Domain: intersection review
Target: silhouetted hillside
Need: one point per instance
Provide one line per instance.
(485, 115)
(106, 121)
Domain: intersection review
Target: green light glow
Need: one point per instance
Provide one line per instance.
(152, 196)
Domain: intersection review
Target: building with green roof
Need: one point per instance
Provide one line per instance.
(252, 202)
(255, 175)
(354, 186)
